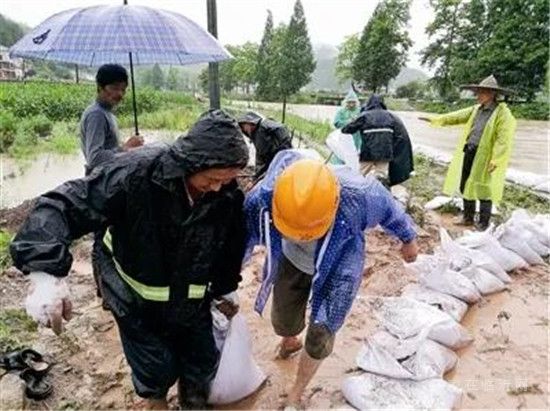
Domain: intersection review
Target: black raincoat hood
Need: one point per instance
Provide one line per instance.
(215, 141)
(375, 102)
(251, 117)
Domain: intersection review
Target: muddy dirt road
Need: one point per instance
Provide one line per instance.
(505, 367)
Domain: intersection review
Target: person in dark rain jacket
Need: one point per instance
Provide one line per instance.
(268, 136)
(386, 149)
(176, 242)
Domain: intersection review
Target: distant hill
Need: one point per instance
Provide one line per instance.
(324, 78)
(406, 76)
(10, 31)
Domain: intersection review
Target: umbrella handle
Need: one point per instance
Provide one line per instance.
(134, 95)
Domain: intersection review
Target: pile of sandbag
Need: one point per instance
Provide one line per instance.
(405, 362)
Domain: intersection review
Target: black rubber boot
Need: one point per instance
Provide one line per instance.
(192, 396)
(485, 208)
(468, 213)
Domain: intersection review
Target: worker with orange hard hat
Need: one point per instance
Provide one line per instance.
(311, 217)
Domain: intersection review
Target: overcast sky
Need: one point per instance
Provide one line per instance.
(329, 21)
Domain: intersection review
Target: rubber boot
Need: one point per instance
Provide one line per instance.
(485, 208)
(193, 396)
(467, 218)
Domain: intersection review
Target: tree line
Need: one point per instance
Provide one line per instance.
(469, 40)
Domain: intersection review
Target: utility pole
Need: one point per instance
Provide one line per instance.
(213, 75)
(76, 76)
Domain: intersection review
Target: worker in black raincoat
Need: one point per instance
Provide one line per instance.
(386, 149)
(175, 243)
(268, 136)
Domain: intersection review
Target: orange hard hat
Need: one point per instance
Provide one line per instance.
(305, 200)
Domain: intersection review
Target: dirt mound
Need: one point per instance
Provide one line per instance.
(12, 218)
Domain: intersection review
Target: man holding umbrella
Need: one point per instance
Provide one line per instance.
(99, 135)
(480, 160)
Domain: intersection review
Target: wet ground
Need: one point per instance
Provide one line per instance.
(20, 181)
(506, 367)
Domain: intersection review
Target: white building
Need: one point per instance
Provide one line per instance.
(10, 69)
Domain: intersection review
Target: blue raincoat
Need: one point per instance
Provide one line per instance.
(340, 254)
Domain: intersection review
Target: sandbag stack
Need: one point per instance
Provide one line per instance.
(404, 363)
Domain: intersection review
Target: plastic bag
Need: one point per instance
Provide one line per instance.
(485, 242)
(414, 358)
(516, 239)
(484, 281)
(343, 147)
(538, 226)
(405, 318)
(440, 201)
(444, 302)
(448, 281)
(372, 392)
(238, 375)
(479, 259)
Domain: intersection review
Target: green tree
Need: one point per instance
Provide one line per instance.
(413, 90)
(157, 77)
(507, 38)
(443, 49)
(517, 50)
(246, 65)
(346, 55)
(291, 60)
(263, 79)
(173, 81)
(384, 45)
(10, 31)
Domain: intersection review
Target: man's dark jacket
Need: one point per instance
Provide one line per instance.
(269, 137)
(158, 238)
(384, 138)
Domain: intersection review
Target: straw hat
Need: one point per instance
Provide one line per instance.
(489, 83)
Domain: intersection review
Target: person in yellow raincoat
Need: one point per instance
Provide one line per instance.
(479, 163)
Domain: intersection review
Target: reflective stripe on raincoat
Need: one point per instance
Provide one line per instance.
(495, 145)
(340, 254)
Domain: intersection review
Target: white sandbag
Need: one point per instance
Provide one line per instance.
(448, 281)
(485, 242)
(479, 259)
(343, 147)
(238, 375)
(416, 358)
(530, 236)
(405, 318)
(424, 263)
(373, 392)
(516, 239)
(440, 201)
(485, 282)
(538, 225)
(544, 186)
(444, 302)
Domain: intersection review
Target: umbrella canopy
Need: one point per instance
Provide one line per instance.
(98, 35)
(120, 34)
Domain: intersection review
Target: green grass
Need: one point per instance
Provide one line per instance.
(179, 119)
(5, 258)
(63, 140)
(17, 329)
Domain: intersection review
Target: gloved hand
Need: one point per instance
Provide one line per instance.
(48, 301)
